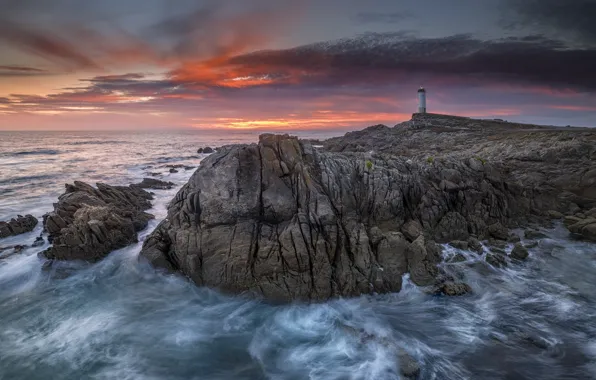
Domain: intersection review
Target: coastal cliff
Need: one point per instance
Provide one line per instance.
(288, 221)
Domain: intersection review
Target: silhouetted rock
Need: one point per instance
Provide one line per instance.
(208, 150)
(152, 183)
(88, 223)
(17, 226)
(172, 170)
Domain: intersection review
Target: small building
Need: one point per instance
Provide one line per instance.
(421, 100)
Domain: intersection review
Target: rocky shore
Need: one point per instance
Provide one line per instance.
(287, 221)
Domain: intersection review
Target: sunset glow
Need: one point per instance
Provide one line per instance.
(274, 67)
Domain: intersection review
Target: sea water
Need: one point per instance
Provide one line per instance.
(120, 319)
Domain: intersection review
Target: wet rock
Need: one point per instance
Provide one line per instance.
(152, 183)
(498, 231)
(555, 214)
(411, 230)
(88, 223)
(200, 150)
(519, 252)
(533, 235)
(154, 174)
(408, 366)
(38, 242)
(189, 167)
(514, 239)
(454, 289)
(497, 260)
(207, 150)
(459, 244)
(475, 245)
(17, 226)
(531, 245)
(584, 228)
(172, 170)
(457, 258)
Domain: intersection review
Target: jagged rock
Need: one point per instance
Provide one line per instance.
(533, 235)
(497, 231)
(519, 252)
(411, 230)
(88, 223)
(17, 226)
(286, 221)
(454, 289)
(497, 260)
(152, 183)
(453, 226)
(475, 245)
(464, 245)
(38, 242)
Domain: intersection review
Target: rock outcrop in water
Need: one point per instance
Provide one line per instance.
(88, 223)
(286, 221)
(17, 226)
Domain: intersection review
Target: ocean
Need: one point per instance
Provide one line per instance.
(121, 319)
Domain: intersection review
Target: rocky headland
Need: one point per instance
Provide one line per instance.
(287, 221)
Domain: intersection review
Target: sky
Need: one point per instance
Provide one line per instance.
(292, 64)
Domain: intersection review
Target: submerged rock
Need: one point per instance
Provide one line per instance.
(88, 223)
(408, 366)
(17, 226)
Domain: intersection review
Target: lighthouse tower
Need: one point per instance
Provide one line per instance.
(421, 100)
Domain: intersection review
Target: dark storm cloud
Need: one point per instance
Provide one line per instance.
(382, 17)
(572, 18)
(375, 58)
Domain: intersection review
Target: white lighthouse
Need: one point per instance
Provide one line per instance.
(421, 100)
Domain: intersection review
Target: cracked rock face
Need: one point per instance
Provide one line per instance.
(284, 221)
(88, 223)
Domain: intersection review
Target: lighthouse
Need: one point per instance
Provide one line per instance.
(421, 100)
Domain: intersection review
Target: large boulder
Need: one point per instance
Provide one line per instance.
(285, 221)
(88, 223)
(582, 227)
(17, 226)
